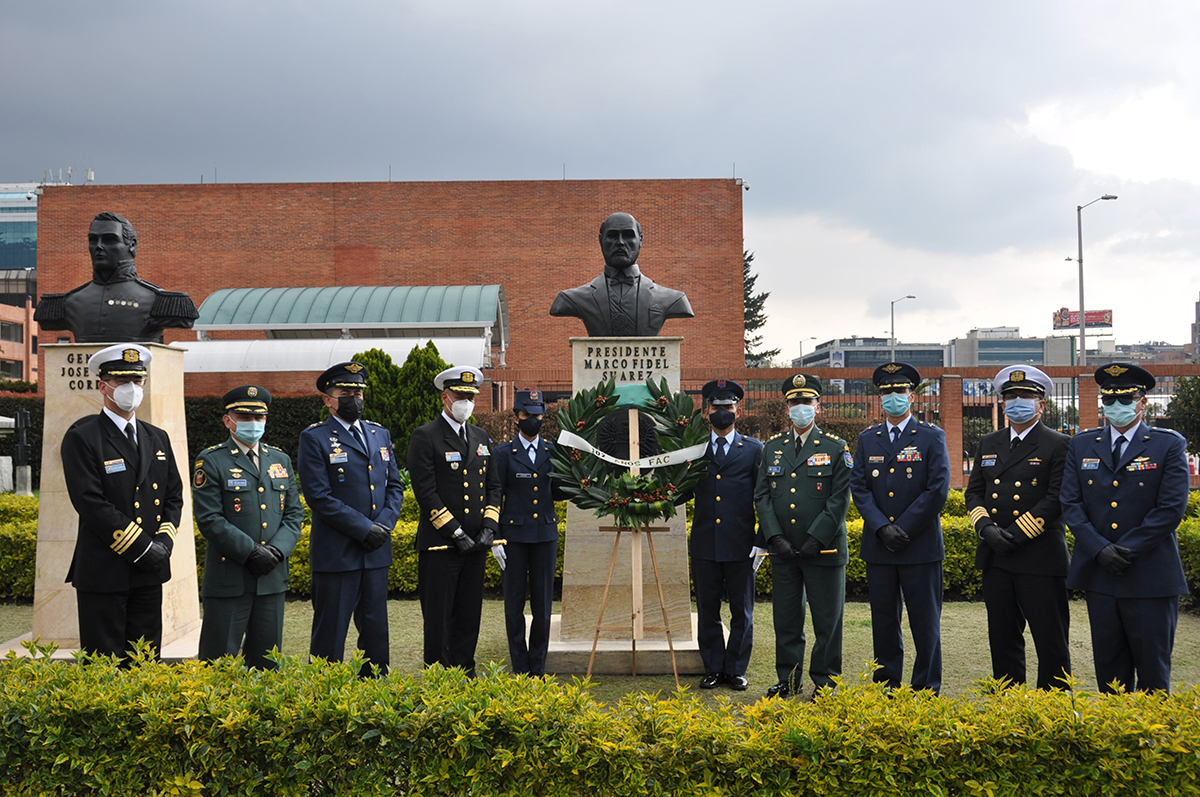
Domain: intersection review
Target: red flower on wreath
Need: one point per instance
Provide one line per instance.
(683, 421)
(601, 400)
(575, 455)
(662, 401)
(580, 424)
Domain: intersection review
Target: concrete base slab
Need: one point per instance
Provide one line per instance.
(181, 649)
(615, 656)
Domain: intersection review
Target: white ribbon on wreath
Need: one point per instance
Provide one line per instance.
(646, 463)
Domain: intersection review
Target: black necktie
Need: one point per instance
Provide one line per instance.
(131, 433)
(1118, 447)
(253, 458)
(531, 451)
(462, 432)
(358, 436)
(720, 457)
(1016, 441)
(895, 434)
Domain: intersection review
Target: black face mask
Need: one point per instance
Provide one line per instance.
(350, 408)
(529, 426)
(721, 419)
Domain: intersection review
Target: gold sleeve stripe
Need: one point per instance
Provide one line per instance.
(978, 514)
(1032, 526)
(168, 529)
(441, 518)
(124, 538)
(491, 513)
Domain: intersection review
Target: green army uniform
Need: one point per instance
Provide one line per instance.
(238, 507)
(803, 494)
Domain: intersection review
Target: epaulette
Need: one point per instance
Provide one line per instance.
(213, 448)
(52, 307)
(1093, 429)
(370, 423)
(1168, 431)
(314, 425)
(172, 304)
(772, 437)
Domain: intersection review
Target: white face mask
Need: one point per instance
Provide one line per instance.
(127, 396)
(462, 409)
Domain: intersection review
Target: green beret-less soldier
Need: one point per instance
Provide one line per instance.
(802, 494)
(248, 509)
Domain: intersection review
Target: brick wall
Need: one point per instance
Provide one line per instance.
(533, 237)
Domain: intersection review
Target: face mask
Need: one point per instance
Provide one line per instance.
(250, 431)
(721, 419)
(802, 415)
(528, 426)
(462, 409)
(895, 404)
(127, 396)
(350, 408)
(1020, 410)
(1121, 414)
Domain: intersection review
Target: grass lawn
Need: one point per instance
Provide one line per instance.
(964, 646)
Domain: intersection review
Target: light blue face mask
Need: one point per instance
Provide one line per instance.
(1020, 410)
(802, 415)
(251, 431)
(1121, 414)
(895, 404)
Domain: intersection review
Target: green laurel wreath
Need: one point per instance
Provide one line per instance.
(632, 501)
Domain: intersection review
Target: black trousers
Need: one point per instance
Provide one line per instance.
(110, 622)
(1132, 640)
(252, 624)
(1014, 599)
(529, 569)
(338, 597)
(919, 587)
(450, 586)
(715, 580)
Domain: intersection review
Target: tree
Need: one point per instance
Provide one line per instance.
(1184, 411)
(383, 387)
(417, 401)
(755, 318)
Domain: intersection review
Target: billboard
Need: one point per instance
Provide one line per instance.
(1069, 319)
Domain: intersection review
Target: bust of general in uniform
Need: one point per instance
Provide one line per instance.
(115, 306)
(622, 302)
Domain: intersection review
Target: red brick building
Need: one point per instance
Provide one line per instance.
(533, 237)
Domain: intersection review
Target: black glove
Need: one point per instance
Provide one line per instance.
(278, 554)
(998, 539)
(782, 547)
(261, 561)
(485, 540)
(376, 538)
(811, 548)
(893, 537)
(1114, 558)
(155, 558)
(463, 543)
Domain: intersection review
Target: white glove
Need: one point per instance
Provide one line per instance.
(759, 556)
(501, 556)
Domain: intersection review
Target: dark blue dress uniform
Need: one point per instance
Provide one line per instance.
(722, 539)
(1016, 489)
(903, 483)
(458, 488)
(529, 523)
(127, 497)
(1130, 507)
(350, 487)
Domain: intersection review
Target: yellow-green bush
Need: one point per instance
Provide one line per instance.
(320, 730)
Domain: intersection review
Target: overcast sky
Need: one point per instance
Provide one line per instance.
(930, 148)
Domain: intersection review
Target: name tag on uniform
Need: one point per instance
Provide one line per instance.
(909, 454)
(1089, 464)
(876, 459)
(774, 470)
(338, 456)
(235, 482)
(988, 460)
(819, 459)
(482, 451)
(277, 471)
(453, 456)
(114, 465)
(521, 475)
(387, 455)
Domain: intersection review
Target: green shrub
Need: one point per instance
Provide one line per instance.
(318, 729)
(18, 547)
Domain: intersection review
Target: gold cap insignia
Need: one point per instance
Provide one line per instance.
(1115, 370)
(1017, 376)
(533, 395)
(252, 392)
(354, 368)
(798, 380)
(891, 368)
(131, 356)
(467, 377)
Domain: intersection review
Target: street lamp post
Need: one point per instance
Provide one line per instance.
(892, 338)
(810, 337)
(1082, 311)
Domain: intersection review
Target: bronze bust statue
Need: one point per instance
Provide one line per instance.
(622, 302)
(116, 306)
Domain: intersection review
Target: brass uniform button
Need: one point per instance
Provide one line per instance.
(793, 489)
(718, 520)
(793, 506)
(154, 486)
(718, 475)
(1114, 525)
(372, 487)
(793, 521)
(260, 489)
(1116, 483)
(1114, 504)
(157, 502)
(891, 470)
(262, 506)
(994, 510)
(1016, 484)
(139, 520)
(718, 498)
(535, 488)
(1016, 512)
(891, 495)
(995, 495)
(997, 481)
(1016, 498)
(137, 505)
(535, 516)
(891, 518)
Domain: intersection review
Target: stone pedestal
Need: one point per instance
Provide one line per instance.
(71, 394)
(588, 550)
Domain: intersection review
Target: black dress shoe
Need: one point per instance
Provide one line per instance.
(781, 689)
(712, 680)
(738, 683)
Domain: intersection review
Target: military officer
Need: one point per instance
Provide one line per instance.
(722, 541)
(351, 481)
(802, 495)
(1123, 495)
(123, 481)
(1012, 499)
(248, 509)
(529, 524)
(454, 533)
(900, 480)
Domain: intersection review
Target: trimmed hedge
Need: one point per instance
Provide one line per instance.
(318, 729)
